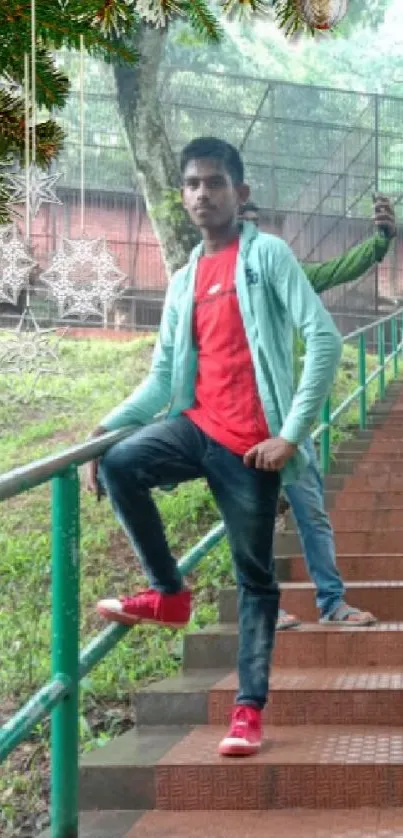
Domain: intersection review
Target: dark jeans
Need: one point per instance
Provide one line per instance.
(174, 451)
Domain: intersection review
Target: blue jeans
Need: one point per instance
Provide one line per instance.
(174, 451)
(307, 501)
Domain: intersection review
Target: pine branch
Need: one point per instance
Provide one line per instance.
(246, 7)
(202, 20)
(49, 136)
(289, 17)
(99, 23)
(52, 86)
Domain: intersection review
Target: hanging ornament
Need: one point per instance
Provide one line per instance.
(29, 351)
(34, 190)
(27, 345)
(15, 264)
(321, 14)
(32, 186)
(83, 277)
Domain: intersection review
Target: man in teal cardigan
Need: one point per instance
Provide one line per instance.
(306, 496)
(222, 372)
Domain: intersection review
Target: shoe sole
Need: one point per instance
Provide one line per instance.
(294, 625)
(233, 751)
(131, 620)
(353, 623)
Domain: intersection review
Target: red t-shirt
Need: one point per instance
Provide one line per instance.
(227, 404)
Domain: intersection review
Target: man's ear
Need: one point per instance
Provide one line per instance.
(243, 193)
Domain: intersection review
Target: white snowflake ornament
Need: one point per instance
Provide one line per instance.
(27, 354)
(15, 264)
(83, 277)
(41, 188)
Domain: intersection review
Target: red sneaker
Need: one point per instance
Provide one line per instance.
(244, 737)
(148, 607)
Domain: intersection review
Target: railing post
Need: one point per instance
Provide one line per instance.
(394, 348)
(65, 652)
(381, 359)
(362, 371)
(325, 438)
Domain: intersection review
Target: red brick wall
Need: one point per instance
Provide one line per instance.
(131, 238)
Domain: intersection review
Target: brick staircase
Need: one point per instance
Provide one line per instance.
(332, 765)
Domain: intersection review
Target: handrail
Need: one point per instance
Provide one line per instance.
(60, 696)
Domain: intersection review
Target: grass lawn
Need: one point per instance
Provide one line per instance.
(96, 376)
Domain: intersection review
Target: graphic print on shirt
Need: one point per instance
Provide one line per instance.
(227, 404)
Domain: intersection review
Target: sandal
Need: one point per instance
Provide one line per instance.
(286, 621)
(347, 615)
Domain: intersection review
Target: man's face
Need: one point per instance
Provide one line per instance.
(210, 196)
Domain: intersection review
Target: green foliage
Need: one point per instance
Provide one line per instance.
(170, 207)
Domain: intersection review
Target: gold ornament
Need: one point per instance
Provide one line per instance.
(322, 14)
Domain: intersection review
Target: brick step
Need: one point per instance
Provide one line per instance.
(363, 465)
(323, 767)
(321, 697)
(369, 456)
(106, 824)
(386, 423)
(122, 774)
(346, 520)
(354, 541)
(379, 481)
(368, 568)
(308, 696)
(357, 823)
(368, 499)
(311, 645)
(388, 445)
(384, 599)
(313, 767)
(354, 823)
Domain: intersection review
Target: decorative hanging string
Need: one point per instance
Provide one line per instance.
(83, 276)
(82, 137)
(33, 78)
(30, 137)
(27, 148)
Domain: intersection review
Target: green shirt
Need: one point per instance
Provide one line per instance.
(351, 265)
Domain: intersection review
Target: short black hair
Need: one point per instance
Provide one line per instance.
(249, 206)
(211, 148)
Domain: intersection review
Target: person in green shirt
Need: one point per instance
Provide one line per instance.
(306, 496)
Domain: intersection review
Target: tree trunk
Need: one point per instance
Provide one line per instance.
(155, 163)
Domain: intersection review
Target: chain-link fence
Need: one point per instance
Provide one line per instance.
(313, 158)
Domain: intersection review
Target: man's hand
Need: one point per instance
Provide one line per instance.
(91, 472)
(384, 215)
(270, 455)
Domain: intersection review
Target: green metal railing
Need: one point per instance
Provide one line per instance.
(328, 417)
(60, 696)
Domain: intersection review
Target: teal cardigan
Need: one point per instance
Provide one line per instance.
(274, 297)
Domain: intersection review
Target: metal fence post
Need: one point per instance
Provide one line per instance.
(394, 348)
(65, 652)
(381, 359)
(362, 371)
(325, 437)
